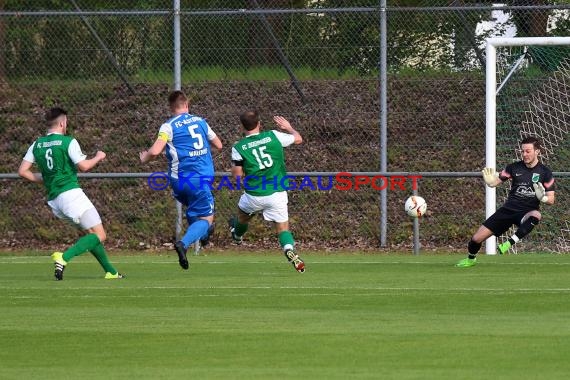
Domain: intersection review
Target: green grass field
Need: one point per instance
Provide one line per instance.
(237, 316)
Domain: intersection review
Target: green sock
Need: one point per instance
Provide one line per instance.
(286, 239)
(101, 256)
(84, 244)
(241, 229)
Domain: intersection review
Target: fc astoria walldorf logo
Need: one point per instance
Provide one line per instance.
(535, 177)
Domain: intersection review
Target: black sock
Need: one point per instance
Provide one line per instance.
(473, 248)
(525, 228)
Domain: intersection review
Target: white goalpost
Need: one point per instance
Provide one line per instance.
(542, 107)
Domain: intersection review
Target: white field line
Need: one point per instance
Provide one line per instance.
(36, 260)
(388, 290)
(233, 295)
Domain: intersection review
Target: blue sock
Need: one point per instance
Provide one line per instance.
(191, 220)
(196, 230)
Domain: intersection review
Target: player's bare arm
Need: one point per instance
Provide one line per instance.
(25, 171)
(237, 171)
(285, 126)
(216, 143)
(154, 151)
(551, 198)
(89, 164)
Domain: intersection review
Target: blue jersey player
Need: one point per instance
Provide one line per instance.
(188, 140)
(532, 184)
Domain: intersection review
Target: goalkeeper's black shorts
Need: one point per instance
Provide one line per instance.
(503, 219)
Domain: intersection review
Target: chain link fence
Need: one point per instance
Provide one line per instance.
(314, 62)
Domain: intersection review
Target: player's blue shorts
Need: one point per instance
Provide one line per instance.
(199, 200)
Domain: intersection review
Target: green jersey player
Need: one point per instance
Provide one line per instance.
(259, 166)
(58, 157)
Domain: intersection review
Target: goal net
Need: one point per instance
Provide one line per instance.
(528, 93)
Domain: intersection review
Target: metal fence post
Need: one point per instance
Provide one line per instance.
(416, 229)
(177, 86)
(383, 122)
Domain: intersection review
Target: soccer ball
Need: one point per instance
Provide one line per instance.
(415, 206)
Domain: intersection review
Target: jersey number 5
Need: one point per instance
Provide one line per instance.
(263, 159)
(199, 144)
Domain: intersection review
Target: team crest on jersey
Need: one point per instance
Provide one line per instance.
(535, 177)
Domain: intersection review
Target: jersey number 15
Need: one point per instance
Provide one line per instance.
(263, 159)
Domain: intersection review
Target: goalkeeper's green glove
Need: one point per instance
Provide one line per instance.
(540, 192)
(490, 177)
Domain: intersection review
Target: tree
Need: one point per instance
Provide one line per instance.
(531, 23)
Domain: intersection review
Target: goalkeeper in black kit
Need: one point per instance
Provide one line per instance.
(532, 184)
